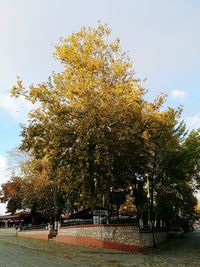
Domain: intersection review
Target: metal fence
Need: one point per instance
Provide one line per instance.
(34, 227)
(101, 221)
(76, 222)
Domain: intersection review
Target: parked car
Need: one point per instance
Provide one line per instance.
(176, 233)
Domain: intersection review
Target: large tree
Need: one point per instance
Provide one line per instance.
(94, 127)
(89, 116)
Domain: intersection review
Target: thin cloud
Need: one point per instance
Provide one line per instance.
(193, 122)
(5, 175)
(17, 108)
(4, 170)
(178, 94)
(3, 164)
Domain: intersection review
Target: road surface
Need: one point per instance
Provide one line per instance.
(14, 256)
(20, 252)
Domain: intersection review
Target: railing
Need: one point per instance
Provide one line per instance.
(76, 222)
(34, 227)
(101, 221)
(132, 221)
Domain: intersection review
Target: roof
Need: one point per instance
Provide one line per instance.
(17, 214)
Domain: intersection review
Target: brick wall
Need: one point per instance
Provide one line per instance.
(36, 234)
(7, 231)
(147, 241)
(122, 237)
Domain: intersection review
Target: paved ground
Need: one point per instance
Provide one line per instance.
(13, 256)
(20, 252)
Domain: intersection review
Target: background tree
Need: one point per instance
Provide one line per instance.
(12, 194)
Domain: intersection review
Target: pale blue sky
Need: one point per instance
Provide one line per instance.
(162, 37)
